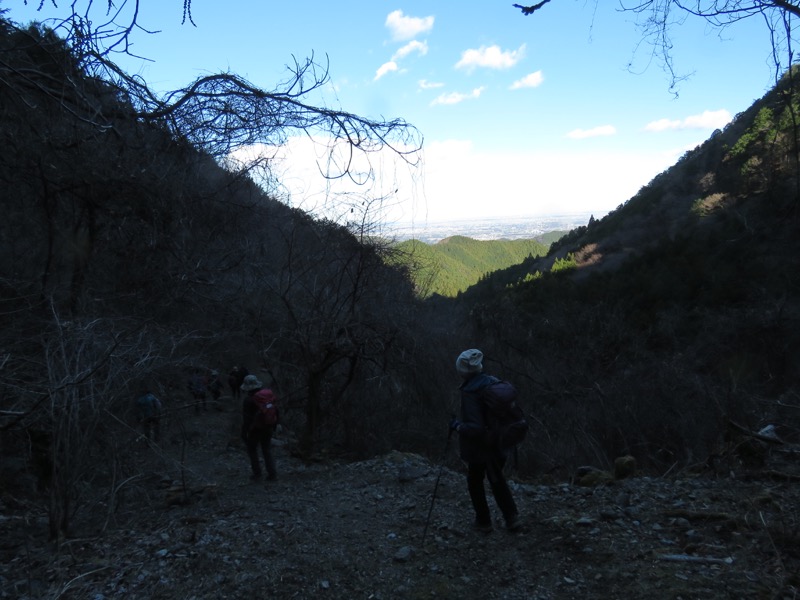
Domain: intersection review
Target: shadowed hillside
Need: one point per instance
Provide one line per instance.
(673, 317)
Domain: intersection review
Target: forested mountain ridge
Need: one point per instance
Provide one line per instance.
(453, 264)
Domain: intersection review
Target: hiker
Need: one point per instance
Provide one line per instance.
(256, 430)
(235, 380)
(215, 387)
(197, 387)
(149, 413)
(485, 459)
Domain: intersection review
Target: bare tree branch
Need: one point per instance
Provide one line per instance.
(657, 18)
(224, 112)
(527, 10)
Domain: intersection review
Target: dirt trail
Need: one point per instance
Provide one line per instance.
(354, 530)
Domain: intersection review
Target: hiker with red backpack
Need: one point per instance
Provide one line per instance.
(489, 426)
(259, 417)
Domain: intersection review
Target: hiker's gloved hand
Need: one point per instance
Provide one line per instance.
(455, 424)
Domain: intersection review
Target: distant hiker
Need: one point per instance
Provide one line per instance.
(478, 447)
(149, 413)
(235, 380)
(259, 418)
(215, 387)
(197, 387)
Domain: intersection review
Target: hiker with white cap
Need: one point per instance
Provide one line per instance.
(484, 456)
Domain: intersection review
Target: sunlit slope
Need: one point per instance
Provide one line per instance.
(455, 263)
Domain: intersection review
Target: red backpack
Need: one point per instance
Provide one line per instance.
(267, 405)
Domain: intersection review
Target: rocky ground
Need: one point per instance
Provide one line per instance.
(355, 530)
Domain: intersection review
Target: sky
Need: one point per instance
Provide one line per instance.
(564, 111)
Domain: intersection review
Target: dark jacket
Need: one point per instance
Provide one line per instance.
(473, 434)
(149, 406)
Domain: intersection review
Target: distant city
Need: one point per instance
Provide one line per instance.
(507, 228)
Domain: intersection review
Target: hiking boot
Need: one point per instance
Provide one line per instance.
(513, 523)
(482, 526)
(255, 476)
(272, 477)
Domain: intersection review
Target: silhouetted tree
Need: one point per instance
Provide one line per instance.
(657, 18)
(222, 112)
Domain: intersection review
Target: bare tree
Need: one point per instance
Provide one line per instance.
(83, 372)
(318, 308)
(222, 112)
(112, 33)
(657, 18)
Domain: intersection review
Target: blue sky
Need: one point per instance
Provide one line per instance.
(564, 111)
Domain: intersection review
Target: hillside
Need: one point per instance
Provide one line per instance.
(676, 313)
(453, 264)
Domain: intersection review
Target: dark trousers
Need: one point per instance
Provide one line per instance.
(261, 438)
(151, 427)
(493, 471)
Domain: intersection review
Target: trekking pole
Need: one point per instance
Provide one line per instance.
(436, 487)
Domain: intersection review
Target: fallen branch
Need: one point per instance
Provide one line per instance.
(770, 475)
(781, 476)
(697, 559)
(691, 515)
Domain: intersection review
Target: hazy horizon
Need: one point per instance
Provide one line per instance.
(494, 228)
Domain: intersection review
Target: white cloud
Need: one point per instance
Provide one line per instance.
(662, 125)
(456, 97)
(500, 184)
(581, 134)
(709, 119)
(491, 57)
(535, 183)
(405, 28)
(420, 48)
(429, 85)
(529, 81)
(385, 68)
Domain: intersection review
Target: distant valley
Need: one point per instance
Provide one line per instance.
(446, 258)
(496, 228)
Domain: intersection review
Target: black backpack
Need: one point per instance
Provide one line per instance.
(505, 417)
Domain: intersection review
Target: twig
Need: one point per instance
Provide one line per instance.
(772, 541)
(74, 579)
(668, 471)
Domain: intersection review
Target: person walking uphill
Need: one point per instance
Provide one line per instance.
(478, 448)
(259, 418)
(149, 413)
